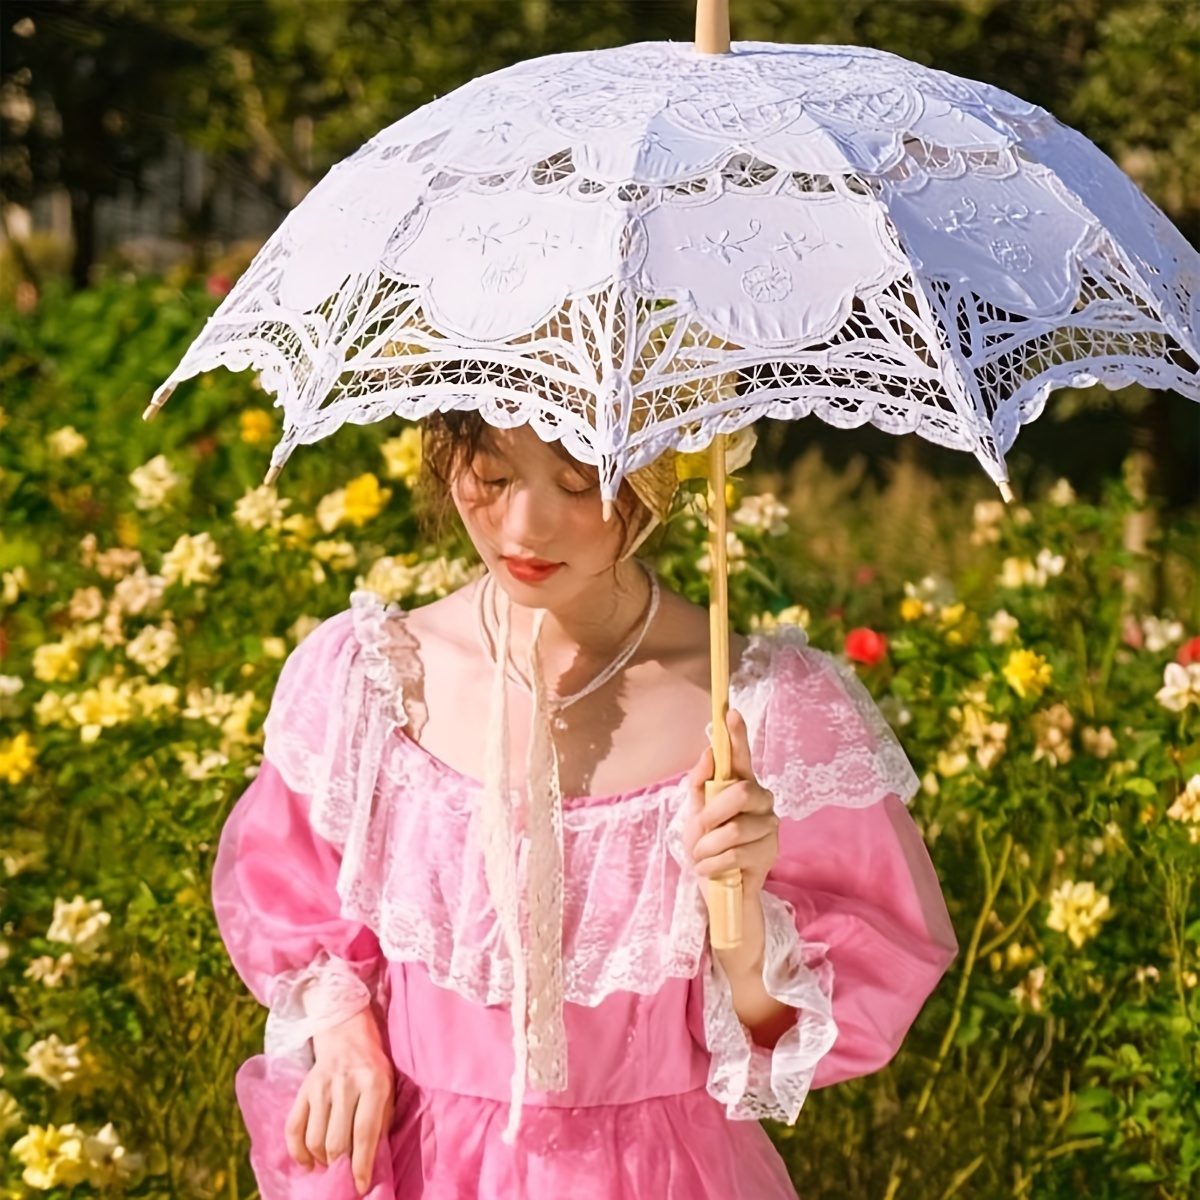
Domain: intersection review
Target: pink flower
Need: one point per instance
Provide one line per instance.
(1189, 653)
(864, 575)
(865, 646)
(1131, 632)
(218, 286)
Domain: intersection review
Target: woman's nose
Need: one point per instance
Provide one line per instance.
(528, 522)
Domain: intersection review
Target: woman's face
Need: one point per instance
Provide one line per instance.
(536, 519)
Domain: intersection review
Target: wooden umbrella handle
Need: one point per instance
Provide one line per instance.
(724, 892)
(712, 26)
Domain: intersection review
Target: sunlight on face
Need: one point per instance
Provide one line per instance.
(536, 518)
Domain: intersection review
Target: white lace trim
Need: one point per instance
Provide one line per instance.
(753, 1082)
(308, 1000)
(413, 871)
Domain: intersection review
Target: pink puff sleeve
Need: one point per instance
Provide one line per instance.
(277, 906)
(857, 931)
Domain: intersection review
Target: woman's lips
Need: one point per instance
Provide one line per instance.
(530, 570)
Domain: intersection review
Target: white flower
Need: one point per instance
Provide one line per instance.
(1181, 686)
(154, 647)
(193, 559)
(988, 515)
(153, 481)
(1001, 627)
(331, 510)
(1061, 494)
(52, 1062)
(933, 592)
(66, 442)
(48, 970)
(10, 685)
(1050, 564)
(106, 1157)
(1159, 634)
(80, 923)
(139, 592)
(762, 514)
(201, 766)
(260, 508)
(735, 554)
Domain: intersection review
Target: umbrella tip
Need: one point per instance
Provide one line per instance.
(607, 508)
(160, 398)
(1005, 491)
(271, 476)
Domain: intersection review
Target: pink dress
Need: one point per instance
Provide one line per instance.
(350, 874)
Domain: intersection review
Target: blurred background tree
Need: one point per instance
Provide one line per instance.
(268, 94)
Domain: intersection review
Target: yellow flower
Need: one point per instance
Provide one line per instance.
(66, 442)
(1029, 991)
(274, 647)
(256, 426)
(191, 560)
(16, 758)
(957, 625)
(48, 970)
(109, 703)
(1027, 673)
(56, 662)
(52, 1156)
(1077, 910)
(365, 499)
(403, 456)
(10, 1113)
(911, 609)
(153, 698)
(796, 614)
(952, 761)
(260, 508)
(341, 556)
(1186, 806)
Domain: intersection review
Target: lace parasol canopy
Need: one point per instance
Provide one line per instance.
(597, 244)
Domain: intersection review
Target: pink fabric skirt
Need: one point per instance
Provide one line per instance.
(446, 1146)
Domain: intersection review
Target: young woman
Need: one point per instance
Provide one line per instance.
(467, 878)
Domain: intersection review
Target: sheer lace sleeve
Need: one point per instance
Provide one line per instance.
(857, 931)
(278, 912)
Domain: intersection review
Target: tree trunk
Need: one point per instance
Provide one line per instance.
(83, 232)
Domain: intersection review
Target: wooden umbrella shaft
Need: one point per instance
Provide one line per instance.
(712, 26)
(724, 892)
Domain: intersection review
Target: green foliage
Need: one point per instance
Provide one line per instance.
(1041, 1067)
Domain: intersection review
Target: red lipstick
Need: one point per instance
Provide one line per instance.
(530, 570)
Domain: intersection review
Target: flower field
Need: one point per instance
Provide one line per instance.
(151, 587)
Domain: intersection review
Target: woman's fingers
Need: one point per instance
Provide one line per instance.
(317, 1125)
(739, 745)
(296, 1129)
(371, 1118)
(341, 1119)
(743, 830)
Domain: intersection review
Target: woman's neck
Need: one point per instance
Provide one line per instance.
(592, 628)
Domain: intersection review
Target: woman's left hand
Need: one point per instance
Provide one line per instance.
(739, 828)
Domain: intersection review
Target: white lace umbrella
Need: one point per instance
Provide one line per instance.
(592, 243)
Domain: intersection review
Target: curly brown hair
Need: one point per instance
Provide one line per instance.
(450, 440)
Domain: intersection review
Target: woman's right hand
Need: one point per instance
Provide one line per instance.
(345, 1102)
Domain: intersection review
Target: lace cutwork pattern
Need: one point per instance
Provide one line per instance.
(592, 243)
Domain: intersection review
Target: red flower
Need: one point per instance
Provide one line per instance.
(218, 286)
(864, 575)
(1189, 653)
(865, 646)
(3, 643)
(205, 445)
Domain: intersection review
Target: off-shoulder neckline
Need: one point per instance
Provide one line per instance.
(371, 613)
